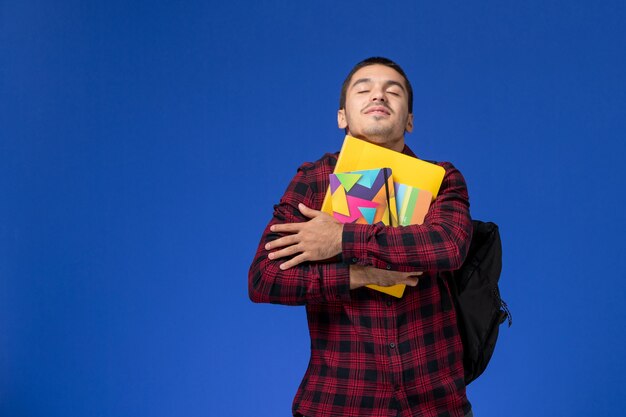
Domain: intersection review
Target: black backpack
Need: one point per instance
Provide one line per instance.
(476, 296)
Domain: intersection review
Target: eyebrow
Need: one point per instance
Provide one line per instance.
(387, 83)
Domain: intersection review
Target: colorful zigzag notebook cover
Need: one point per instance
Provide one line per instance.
(366, 197)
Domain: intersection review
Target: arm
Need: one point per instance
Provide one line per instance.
(308, 281)
(439, 244)
(308, 276)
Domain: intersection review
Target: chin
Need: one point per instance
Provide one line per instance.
(378, 134)
(379, 137)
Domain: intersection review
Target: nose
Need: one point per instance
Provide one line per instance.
(378, 94)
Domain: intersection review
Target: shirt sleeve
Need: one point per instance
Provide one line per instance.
(308, 282)
(439, 244)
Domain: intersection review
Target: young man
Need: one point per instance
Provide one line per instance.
(371, 354)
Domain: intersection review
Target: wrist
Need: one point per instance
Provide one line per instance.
(339, 239)
(357, 277)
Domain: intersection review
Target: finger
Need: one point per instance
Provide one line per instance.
(283, 241)
(286, 227)
(288, 251)
(412, 282)
(293, 262)
(309, 212)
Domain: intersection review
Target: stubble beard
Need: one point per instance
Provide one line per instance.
(381, 134)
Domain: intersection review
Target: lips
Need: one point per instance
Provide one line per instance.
(378, 110)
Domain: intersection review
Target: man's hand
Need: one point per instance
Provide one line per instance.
(367, 275)
(314, 240)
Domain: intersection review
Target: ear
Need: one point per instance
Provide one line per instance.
(342, 122)
(409, 123)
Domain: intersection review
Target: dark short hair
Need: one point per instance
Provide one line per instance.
(375, 60)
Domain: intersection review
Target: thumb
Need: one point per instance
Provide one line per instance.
(308, 212)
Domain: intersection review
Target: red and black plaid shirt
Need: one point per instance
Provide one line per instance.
(373, 354)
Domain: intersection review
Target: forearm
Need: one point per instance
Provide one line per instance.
(361, 276)
(309, 282)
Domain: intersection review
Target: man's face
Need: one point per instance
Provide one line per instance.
(377, 107)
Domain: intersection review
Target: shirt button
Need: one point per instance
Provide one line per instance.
(392, 345)
(388, 267)
(355, 260)
(389, 303)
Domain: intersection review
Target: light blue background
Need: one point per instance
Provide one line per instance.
(143, 144)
